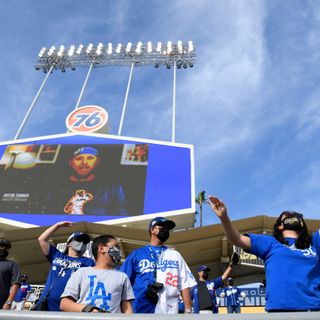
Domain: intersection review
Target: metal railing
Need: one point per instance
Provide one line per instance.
(45, 315)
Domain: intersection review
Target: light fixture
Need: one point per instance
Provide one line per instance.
(118, 49)
(71, 51)
(109, 50)
(138, 47)
(79, 49)
(41, 53)
(89, 48)
(179, 46)
(181, 54)
(190, 46)
(61, 50)
(169, 47)
(99, 48)
(129, 46)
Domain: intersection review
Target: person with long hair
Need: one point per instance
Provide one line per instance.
(291, 257)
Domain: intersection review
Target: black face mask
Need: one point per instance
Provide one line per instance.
(230, 283)
(115, 254)
(3, 253)
(163, 234)
(205, 275)
(293, 222)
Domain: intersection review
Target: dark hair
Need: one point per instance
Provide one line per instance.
(104, 239)
(304, 239)
(5, 243)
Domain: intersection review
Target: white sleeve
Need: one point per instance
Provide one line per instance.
(186, 278)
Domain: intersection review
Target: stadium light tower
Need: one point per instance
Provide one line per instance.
(131, 55)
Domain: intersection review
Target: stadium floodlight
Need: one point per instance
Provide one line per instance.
(79, 49)
(41, 53)
(129, 46)
(118, 48)
(158, 47)
(71, 51)
(139, 47)
(61, 50)
(169, 47)
(140, 54)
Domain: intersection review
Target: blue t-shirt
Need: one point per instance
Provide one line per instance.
(22, 292)
(61, 268)
(293, 275)
(212, 286)
(140, 266)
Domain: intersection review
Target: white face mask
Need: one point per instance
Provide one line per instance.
(78, 247)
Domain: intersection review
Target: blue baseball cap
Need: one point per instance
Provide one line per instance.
(86, 150)
(79, 236)
(203, 268)
(162, 221)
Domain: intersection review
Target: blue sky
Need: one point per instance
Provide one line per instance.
(250, 106)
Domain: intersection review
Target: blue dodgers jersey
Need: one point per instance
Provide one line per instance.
(232, 294)
(293, 275)
(61, 268)
(22, 292)
(140, 266)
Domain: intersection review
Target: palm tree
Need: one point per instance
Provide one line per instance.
(200, 199)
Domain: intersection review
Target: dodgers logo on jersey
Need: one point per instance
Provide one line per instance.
(165, 264)
(146, 265)
(98, 292)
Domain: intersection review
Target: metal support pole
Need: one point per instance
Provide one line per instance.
(125, 100)
(84, 86)
(174, 102)
(32, 104)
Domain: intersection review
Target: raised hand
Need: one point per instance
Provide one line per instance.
(217, 206)
(64, 224)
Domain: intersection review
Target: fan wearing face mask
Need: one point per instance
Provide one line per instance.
(158, 274)
(62, 265)
(204, 293)
(291, 255)
(101, 288)
(9, 276)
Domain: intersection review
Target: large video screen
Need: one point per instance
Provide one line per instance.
(92, 178)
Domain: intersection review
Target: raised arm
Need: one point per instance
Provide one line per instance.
(227, 273)
(230, 230)
(45, 236)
